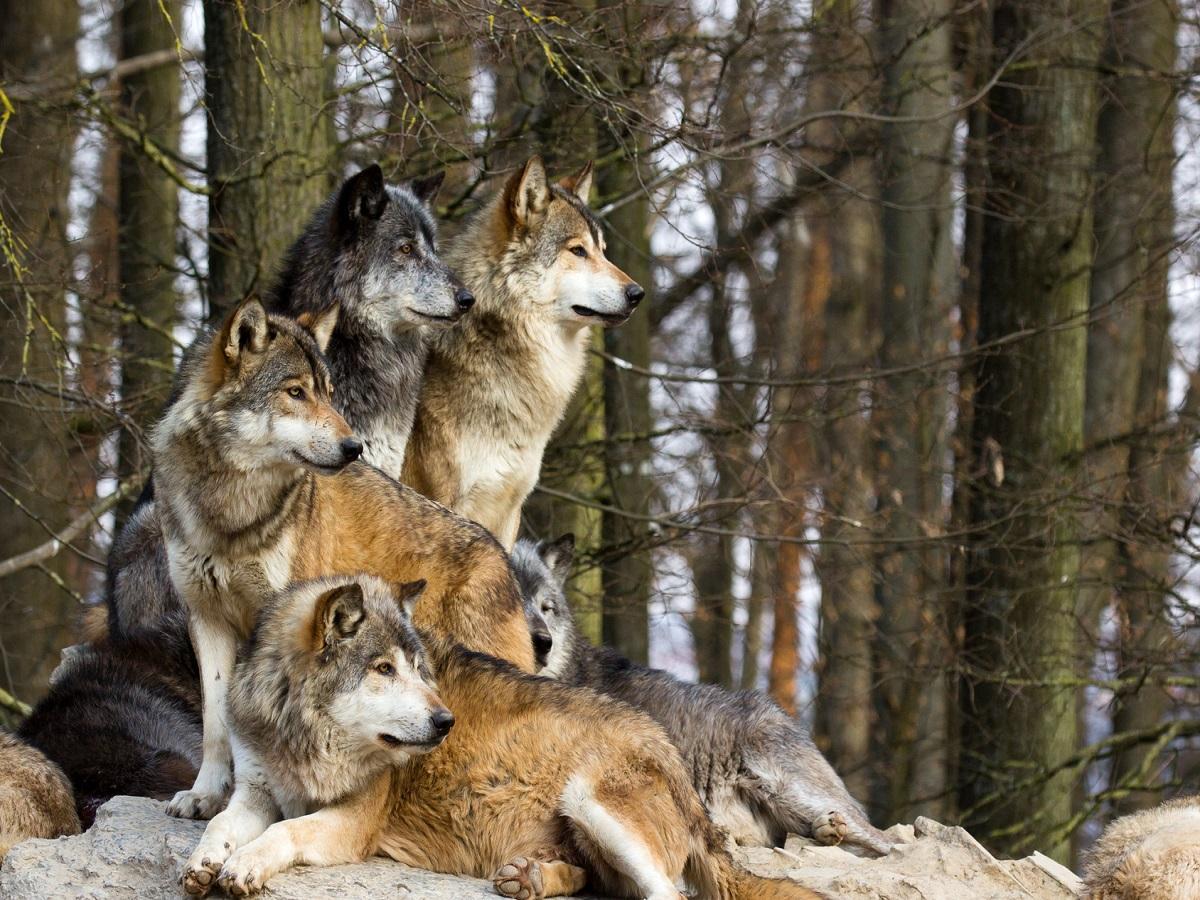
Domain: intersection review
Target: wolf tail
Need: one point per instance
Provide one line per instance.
(714, 874)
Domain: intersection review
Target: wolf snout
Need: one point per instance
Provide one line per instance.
(464, 299)
(442, 720)
(634, 294)
(352, 449)
(543, 643)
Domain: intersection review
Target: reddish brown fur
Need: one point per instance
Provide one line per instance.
(362, 521)
(35, 796)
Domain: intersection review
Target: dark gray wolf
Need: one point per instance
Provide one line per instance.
(35, 796)
(374, 739)
(123, 717)
(369, 249)
(497, 384)
(756, 769)
(241, 460)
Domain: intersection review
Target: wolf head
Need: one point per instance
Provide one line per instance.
(542, 569)
(366, 664)
(384, 695)
(373, 246)
(551, 250)
(259, 391)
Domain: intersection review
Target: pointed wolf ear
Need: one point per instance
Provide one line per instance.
(320, 324)
(246, 331)
(527, 193)
(363, 196)
(579, 184)
(558, 556)
(408, 593)
(426, 189)
(339, 615)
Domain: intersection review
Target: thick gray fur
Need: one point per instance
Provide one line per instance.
(756, 768)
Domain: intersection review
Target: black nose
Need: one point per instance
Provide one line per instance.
(352, 449)
(542, 644)
(464, 298)
(634, 294)
(443, 721)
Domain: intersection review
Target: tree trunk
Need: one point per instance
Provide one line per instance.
(909, 409)
(1135, 233)
(268, 150)
(837, 323)
(628, 567)
(37, 45)
(1019, 719)
(148, 207)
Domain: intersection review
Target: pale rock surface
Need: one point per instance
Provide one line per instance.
(136, 850)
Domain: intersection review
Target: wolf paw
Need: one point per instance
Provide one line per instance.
(196, 805)
(198, 878)
(829, 828)
(520, 878)
(241, 880)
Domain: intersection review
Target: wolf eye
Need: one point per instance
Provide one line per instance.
(296, 393)
(579, 251)
(386, 669)
(406, 248)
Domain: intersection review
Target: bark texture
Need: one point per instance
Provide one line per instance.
(1020, 656)
(268, 144)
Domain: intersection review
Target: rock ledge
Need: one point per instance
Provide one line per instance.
(136, 850)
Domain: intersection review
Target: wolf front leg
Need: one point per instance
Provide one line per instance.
(216, 652)
(250, 812)
(343, 833)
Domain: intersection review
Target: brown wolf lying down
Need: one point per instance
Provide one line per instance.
(408, 746)
(1150, 855)
(35, 796)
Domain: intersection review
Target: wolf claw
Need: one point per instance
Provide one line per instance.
(829, 828)
(195, 805)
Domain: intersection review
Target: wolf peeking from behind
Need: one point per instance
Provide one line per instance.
(757, 771)
(241, 460)
(498, 383)
(377, 739)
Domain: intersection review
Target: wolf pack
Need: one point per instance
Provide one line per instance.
(321, 632)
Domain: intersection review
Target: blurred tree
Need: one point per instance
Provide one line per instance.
(268, 144)
(148, 213)
(909, 408)
(1020, 653)
(1140, 474)
(37, 52)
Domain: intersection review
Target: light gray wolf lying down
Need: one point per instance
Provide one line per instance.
(377, 739)
(756, 769)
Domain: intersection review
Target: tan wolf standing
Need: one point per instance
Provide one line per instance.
(239, 461)
(1149, 855)
(35, 796)
(339, 714)
(497, 384)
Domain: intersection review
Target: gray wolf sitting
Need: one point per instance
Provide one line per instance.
(243, 460)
